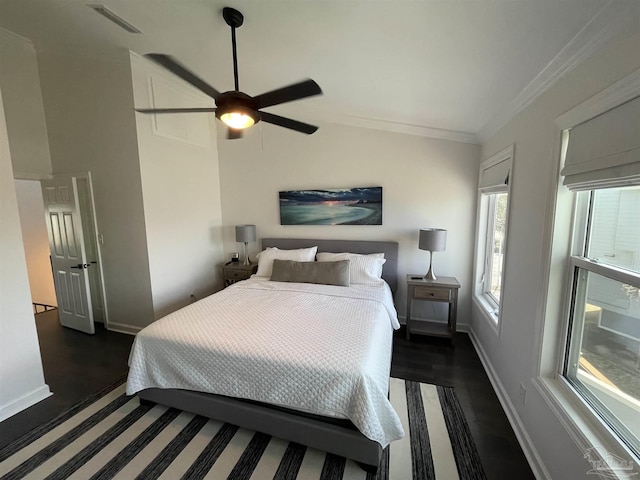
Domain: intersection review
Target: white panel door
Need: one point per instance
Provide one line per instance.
(68, 254)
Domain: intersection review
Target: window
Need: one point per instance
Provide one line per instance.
(602, 354)
(491, 234)
(496, 241)
(602, 361)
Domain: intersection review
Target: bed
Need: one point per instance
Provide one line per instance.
(299, 406)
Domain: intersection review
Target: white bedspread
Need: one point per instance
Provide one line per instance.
(316, 348)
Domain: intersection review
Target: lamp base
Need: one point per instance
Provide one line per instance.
(430, 275)
(246, 256)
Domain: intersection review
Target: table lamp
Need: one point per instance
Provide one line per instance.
(246, 234)
(433, 240)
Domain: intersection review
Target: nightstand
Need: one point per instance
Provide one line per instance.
(444, 289)
(234, 272)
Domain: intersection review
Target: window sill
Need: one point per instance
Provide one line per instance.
(488, 312)
(584, 426)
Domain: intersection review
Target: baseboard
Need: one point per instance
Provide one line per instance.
(123, 328)
(530, 452)
(24, 402)
(463, 327)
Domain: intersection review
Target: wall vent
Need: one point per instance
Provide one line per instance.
(108, 14)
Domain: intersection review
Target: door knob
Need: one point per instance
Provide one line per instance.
(81, 266)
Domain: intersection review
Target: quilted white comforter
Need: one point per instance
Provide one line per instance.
(315, 348)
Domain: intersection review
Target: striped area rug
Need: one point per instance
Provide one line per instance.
(113, 436)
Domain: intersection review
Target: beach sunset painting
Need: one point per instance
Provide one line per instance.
(333, 206)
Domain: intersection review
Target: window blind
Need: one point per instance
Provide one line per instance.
(495, 178)
(605, 151)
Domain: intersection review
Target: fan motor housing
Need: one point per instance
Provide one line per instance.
(234, 101)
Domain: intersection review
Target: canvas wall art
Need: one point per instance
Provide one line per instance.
(332, 206)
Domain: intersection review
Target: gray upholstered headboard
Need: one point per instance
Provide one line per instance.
(390, 250)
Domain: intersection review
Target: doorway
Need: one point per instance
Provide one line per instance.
(42, 243)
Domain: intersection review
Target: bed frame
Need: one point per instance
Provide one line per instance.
(337, 437)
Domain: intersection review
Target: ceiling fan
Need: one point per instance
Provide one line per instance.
(235, 108)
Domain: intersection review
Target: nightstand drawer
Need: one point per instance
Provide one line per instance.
(236, 274)
(426, 293)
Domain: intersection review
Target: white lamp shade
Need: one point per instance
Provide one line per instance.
(245, 233)
(433, 239)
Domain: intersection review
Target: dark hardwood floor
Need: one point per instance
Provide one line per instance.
(434, 360)
(77, 365)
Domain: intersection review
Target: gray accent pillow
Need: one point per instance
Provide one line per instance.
(325, 273)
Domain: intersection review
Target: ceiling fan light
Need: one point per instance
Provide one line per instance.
(238, 120)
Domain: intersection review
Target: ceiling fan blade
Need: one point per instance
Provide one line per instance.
(306, 88)
(176, 110)
(173, 66)
(234, 133)
(288, 123)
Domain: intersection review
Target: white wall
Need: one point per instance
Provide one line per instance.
(36, 242)
(88, 101)
(21, 377)
(181, 190)
(513, 356)
(23, 107)
(426, 183)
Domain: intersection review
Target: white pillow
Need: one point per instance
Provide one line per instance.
(267, 256)
(363, 269)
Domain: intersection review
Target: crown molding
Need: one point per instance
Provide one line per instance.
(602, 27)
(315, 115)
(408, 129)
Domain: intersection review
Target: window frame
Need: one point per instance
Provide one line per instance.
(490, 308)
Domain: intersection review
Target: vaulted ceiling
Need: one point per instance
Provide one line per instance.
(451, 68)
